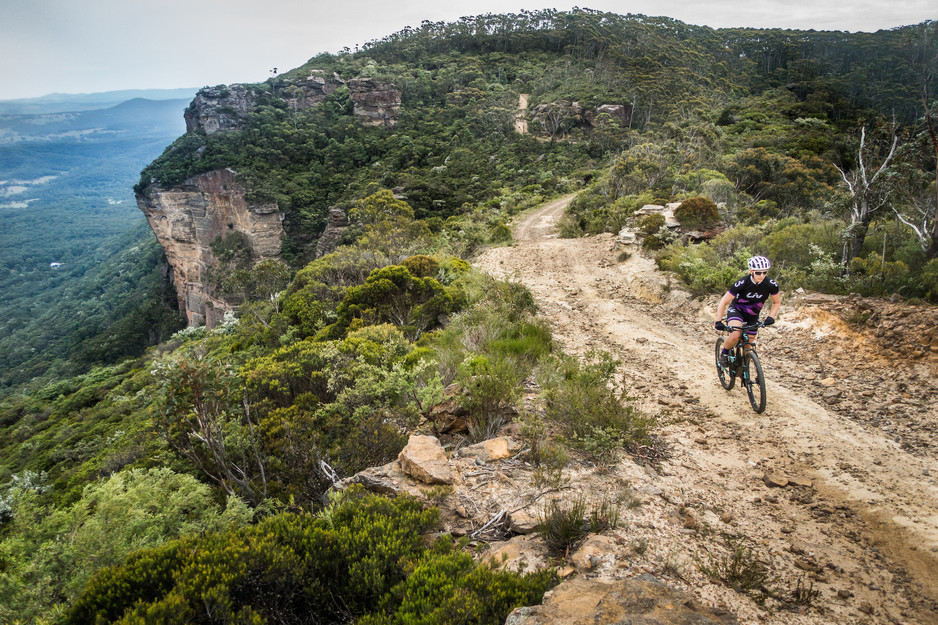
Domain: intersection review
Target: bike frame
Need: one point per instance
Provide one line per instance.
(745, 365)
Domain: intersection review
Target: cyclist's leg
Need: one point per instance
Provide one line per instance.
(751, 343)
(734, 319)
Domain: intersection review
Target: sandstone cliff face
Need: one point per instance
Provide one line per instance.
(328, 240)
(188, 217)
(219, 108)
(377, 103)
(214, 109)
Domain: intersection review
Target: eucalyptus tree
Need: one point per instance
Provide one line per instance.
(872, 182)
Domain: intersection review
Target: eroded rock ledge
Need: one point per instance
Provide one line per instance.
(215, 109)
(188, 217)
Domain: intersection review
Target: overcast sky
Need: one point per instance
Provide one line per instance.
(84, 46)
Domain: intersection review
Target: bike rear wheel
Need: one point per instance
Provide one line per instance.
(727, 376)
(754, 381)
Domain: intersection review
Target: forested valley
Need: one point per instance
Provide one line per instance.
(155, 477)
(66, 198)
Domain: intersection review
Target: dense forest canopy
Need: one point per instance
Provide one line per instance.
(66, 198)
(814, 148)
(708, 94)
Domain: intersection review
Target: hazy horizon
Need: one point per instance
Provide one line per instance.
(96, 46)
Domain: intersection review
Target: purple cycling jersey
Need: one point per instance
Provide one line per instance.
(749, 297)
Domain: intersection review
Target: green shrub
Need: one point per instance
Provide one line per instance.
(364, 559)
(741, 570)
(736, 242)
(525, 340)
(548, 457)
(701, 269)
(653, 242)
(201, 416)
(347, 402)
(797, 245)
(552, 460)
(48, 556)
(392, 295)
(452, 268)
(497, 322)
(491, 385)
(500, 234)
(562, 524)
(697, 213)
(421, 266)
(449, 588)
(650, 224)
(584, 398)
(871, 276)
(930, 280)
(720, 190)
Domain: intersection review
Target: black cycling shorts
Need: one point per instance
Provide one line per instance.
(734, 313)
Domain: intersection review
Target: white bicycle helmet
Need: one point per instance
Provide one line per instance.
(759, 263)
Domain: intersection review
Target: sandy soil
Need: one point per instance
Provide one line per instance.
(853, 436)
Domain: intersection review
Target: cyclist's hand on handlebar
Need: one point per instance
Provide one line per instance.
(768, 321)
(719, 325)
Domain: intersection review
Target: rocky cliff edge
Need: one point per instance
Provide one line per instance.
(186, 218)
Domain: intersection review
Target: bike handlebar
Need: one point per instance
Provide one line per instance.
(744, 328)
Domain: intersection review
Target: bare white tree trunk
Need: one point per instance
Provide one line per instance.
(869, 194)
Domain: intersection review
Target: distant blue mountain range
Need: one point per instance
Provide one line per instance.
(71, 102)
(138, 118)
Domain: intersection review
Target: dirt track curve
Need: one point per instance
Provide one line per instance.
(859, 517)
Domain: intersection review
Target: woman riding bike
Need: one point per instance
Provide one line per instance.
(743, 302)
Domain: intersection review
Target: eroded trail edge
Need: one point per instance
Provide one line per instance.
(829, 496)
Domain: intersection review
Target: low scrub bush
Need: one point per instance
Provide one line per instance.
(563, 524)
(701, 269)
(347, 403)
(548, 457)
(498, 323)
(740, 569)
(490, 384)
(46, 557)
(697, 213)
(586, 401)
(650, 224)
(363, 559)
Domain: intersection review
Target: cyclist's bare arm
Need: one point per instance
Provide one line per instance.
(721, 307)
(776, 304)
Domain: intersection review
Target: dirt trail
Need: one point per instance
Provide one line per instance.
(521, 123)
(859, 518)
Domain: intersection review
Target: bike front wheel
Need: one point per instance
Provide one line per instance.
(754, 381)
(727, 376)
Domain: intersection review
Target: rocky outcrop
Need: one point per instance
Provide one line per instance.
(645, 599)
(219, 108)
(376, 103)
(424, 460)
(187, 218)
(214, 109)
(335, 226)
(424, 464)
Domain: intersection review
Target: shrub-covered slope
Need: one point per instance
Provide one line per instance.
(330, 363)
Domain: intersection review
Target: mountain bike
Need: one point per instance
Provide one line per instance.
(745, 365)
